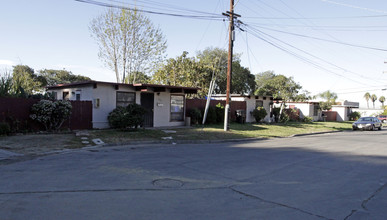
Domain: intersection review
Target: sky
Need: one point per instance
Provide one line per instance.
(336, 45)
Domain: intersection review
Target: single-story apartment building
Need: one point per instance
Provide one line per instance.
(252, 102)
(165, 104)
(306, 109)
(344, 109)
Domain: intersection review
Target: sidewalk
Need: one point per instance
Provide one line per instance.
(7, 154)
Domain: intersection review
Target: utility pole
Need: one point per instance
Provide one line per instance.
(231, 35)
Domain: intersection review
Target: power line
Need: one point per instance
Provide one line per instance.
(326, 40)
(102, 4)
(354, 6)
(302, 58)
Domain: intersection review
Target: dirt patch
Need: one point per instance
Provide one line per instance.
(33, 144)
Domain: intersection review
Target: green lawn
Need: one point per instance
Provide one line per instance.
(215, 132)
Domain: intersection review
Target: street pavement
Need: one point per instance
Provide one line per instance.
(328, 176)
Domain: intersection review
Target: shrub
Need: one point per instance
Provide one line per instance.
(276, 113)
(5, 129)
(117, 119)
(195, 115)
(284, 117)
(135, 115)
(259, 113)
(130, 117)
(219, 109)
(211, 116)
(308, 119)
(354, 116)
(51, 114)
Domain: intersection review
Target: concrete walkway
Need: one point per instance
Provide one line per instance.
(8, 154)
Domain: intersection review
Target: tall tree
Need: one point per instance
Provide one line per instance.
(25, 80)
(6, 84)
(183, 71)
(278, 86)
(54, 77)
(330, 99)
(128, 42)
(373, 99)
(214, 60)
(367, 97)
(140, 78)
(382, 99)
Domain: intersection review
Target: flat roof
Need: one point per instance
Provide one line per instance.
(137, 86)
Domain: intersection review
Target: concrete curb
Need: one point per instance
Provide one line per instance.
(154, 142)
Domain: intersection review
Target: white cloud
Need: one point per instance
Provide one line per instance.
(7, 63)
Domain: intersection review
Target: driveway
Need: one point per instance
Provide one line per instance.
(332, 176)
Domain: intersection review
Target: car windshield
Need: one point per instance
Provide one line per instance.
(364, 119)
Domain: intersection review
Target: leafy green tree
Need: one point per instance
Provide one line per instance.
(54, 77)
(330, 98)
(6, 84)
(382, 99)
(367, 97)
(183, 71)
(140, 78)
(214, 60)
(26, 81)
(373, 99)
(128, 42)
(278, 86)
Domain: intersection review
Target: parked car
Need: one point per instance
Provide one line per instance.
(367, 123)
(383, 118)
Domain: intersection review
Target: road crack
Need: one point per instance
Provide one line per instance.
(276, 203)
(364, 203)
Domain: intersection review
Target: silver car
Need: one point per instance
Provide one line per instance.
(367, 123)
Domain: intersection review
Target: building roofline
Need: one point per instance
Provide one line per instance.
(137, 87)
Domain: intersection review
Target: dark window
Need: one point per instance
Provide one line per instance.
(78, 97)
(125, 98)
(66, 95)
(177, 108)
(315, 110)
(258, 103)
(54, 95)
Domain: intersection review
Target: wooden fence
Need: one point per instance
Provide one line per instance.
(330, 115)
(16, 112)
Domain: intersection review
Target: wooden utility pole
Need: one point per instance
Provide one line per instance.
(231, 15)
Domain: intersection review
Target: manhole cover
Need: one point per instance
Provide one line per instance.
(168, 183)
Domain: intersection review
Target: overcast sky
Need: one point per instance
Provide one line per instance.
(338, 45)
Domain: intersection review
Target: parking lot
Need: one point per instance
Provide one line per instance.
(329, 176)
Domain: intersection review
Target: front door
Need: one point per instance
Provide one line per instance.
(147, 101)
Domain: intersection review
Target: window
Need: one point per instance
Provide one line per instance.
(315, 109)
(125, 98)
(96, 103)
(66, 95)
(78, 95)
(177, 108)
(258, 103)
(54, 95)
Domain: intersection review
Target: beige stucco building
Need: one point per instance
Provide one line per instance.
(252, 102)
(165, 104)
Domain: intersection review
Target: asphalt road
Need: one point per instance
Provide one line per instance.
(331, 176)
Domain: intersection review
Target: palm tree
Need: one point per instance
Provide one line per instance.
(367, 97)
(330, 98)
(373, 99)
(382, 99)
